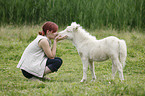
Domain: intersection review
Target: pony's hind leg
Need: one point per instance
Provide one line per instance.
(114, 69)
(118, 65)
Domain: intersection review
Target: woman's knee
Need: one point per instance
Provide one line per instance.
(58, 63)
(59, 59)
(54, 64)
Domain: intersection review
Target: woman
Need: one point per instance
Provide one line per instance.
(38, 58)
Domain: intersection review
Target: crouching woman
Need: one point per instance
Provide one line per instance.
(38, 58)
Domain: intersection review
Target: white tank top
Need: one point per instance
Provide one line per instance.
(34, 59)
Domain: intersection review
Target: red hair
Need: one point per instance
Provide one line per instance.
(51, 26)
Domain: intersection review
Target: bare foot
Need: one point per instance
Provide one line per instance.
(46, 78)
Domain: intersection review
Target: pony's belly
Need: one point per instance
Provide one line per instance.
(100, 58)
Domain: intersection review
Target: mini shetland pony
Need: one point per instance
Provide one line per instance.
(91, 50)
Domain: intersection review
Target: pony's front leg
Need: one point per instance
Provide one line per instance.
(85, 68)
(91, 63)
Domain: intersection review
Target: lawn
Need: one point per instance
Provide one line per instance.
(66, 82)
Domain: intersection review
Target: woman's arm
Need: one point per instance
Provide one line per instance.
(47, 49)
(56, 39)
(54, 47)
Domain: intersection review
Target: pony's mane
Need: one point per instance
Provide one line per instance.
(85, 34)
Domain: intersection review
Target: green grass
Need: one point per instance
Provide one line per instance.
(66, 82)
(119, 14)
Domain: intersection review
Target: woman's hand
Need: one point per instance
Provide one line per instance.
(59, 37)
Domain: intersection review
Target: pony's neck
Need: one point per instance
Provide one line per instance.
(81, 36)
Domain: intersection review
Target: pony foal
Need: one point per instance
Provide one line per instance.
(91, 50)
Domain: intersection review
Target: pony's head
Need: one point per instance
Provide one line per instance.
(70, 30)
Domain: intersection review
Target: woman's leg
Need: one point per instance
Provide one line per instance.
(53, 64)
(47, 70)
(26, 74)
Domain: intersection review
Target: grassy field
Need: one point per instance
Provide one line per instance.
(66, 82)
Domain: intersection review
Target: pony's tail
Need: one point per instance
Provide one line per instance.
(123, 52)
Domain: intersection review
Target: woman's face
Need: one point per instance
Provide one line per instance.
(51, 35)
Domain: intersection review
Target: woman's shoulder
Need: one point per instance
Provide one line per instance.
(41, 37)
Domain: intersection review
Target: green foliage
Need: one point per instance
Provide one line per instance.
(65, 82)
(119, 14)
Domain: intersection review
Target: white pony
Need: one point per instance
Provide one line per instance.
(91, 50)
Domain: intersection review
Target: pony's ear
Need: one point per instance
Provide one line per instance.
(77, 27)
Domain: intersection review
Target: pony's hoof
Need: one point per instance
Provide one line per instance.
(83, 80)
(93, 80)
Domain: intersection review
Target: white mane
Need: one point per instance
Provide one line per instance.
(85, 34)
(82, 31)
